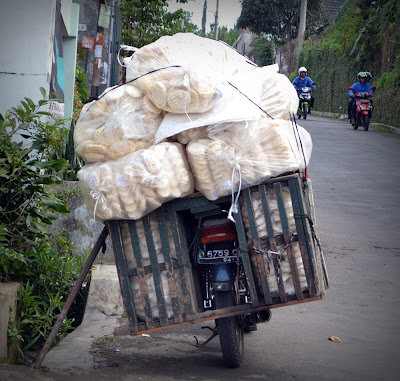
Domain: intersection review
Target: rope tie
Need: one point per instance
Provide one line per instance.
(98, 196)
(235, 201)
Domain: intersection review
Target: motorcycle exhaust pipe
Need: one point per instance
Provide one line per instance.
(263, 316)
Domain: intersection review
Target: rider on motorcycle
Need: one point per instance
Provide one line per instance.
(301, 81)
(359, 87)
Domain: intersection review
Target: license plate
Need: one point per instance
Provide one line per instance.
(214, 256)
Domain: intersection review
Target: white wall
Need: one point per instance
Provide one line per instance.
(26, 50)
(26, 43)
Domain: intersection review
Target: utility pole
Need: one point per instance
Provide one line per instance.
(303, 16)
(216, 22)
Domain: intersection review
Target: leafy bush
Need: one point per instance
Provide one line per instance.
(42, 262)
(81, 83)
(263, 51)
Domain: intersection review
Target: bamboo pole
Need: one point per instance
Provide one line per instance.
(74, 291)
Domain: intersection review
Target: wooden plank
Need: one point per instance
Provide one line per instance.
(224, 312)
(308, 244)
(124, 282)
(293, 186)
(158, 286)
(182, 258)
(169, 267)
(141, 277)
(256, 242)
(315, 264)
(244, 254)
(287, 234)
(272, 241)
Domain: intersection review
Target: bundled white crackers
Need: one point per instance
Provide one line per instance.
(135, 185)
(243, 154)
(261, 226)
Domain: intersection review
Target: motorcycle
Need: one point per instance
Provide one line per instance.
(364, 109)
(304, 103)
(223, 284)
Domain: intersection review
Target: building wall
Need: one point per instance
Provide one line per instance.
(27, 50)
(108, 74)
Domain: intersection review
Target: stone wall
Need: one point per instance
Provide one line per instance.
(82, 230)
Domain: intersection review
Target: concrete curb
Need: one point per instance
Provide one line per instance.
(337, 115)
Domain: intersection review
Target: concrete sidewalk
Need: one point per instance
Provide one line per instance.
(72, 357)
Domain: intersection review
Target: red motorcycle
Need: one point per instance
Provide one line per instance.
(364, 109)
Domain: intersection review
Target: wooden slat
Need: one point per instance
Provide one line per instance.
(244, 254)
(309, 242)
(169, 267)
(141, 277)
(124, 282)
(158, 285)
(286, 232)
(256, 242)
(272, 241)
(293, 186)
(183, 260)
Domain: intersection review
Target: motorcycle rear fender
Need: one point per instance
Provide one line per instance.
(223, 273)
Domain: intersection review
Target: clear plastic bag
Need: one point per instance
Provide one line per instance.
(240, 155)
(115, 125)
(185, 73)
(136, 184)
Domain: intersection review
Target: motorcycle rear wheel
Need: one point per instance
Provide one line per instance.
(230, 331)
(366, 122)
(305, 110)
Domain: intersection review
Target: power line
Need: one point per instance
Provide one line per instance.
(213, 12)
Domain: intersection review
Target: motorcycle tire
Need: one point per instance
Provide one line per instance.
(366, 122)
(230, 331)
(305, 111)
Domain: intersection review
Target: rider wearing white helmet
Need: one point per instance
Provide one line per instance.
(301, 81)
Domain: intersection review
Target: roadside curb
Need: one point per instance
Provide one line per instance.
(336, 115)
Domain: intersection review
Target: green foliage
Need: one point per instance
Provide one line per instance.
(81, 84)
(279, 19)
(27, 147)
(146, 21)
(364, 37)
(42, 262)
(50, 272)
(13, 334)
(263, 51)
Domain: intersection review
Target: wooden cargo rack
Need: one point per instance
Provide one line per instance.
(166, 230)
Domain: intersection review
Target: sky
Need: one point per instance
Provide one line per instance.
(228, 12)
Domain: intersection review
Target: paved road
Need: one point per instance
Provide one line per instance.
(355, 178)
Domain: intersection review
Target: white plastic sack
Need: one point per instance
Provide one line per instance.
(136, 184)
(246, 154)
(249, 95)
(185, 73)
(239, 102)
(115, 125)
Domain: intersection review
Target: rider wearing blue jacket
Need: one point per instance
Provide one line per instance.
(362, 86)
(301, 81)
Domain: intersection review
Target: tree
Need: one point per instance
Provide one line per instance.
(263, 51)
(279, 19)
(145, 21)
